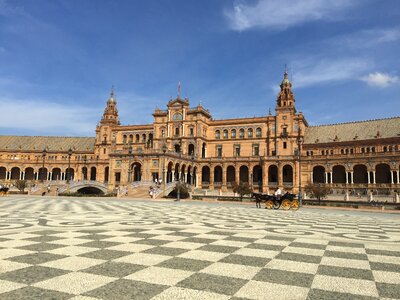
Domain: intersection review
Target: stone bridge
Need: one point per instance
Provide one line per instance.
(76, 186)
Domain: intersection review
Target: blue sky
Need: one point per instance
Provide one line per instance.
(59, 59)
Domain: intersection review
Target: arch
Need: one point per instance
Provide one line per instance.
(272, 174)
(93, 173)
(3, 173)
(257, 175)
(137, 171)
(225, 134)
(169, 171)
(56, 174)
(230, 175)
(218, 174)
(189, 175)
(90, 190)
(29, 174)
(137, 138)
(124, 139)
(244, 174)
(360, 174)
(287, 174)
(318, 174)
(43, 173)
(177, 169)
(183, 171)
(190, 149)
(15, 173)
(195, 176)
(143, 138)
(250, 132)
(84, 173)
(217, 134)
(382, 173)
(205, 175)
(233, 133)
(106, 173)
(130, 138)
(338, 174)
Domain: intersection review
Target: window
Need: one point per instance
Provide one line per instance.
(256, 150)
(250, 132)
(284, 131)
(236, 150)
(241, 133)
(124, 139)
(217, 135)
(233, 133)
(163, 133)
(177, 131)
(104, 151)
(219, 150)
(143, 138)
(258, 132)
(284, 145)
(137, 138)
(191, 131)
(225, 134)
(130, 139)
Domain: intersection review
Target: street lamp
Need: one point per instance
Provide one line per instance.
(44, 153)
(69, 165)
(129, 167)
(299, 141)
(164, 150)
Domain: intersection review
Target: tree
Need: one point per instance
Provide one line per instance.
(317, 191)
(242, 189)
(21, 185)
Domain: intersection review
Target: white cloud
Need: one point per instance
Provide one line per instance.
(282, 14)
(47, 118)
(367, 38)
(310, 71)
(380, 79)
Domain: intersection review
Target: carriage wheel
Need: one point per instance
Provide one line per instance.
(269, 204)
(277, 204)
(286, 204)
(295, 205)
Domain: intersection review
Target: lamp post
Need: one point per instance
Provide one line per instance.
(44, 153)
(85, 168)
(164, 150)
(299, 141)
(69, 165)
(129, 162)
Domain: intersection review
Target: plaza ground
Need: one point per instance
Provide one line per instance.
(101, 248)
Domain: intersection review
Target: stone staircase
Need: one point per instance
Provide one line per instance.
(141, 192)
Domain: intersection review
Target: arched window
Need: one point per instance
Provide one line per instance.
(124, 139)
(241, 133)
(233, 133)
(225, 134)
(250, 132)
(217, 135)
(258, 132)
(137, 138)
(130, 138)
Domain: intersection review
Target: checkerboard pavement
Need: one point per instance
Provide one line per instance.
(194, 251)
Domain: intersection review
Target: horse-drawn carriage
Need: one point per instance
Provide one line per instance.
(287, 201)
(3, 190)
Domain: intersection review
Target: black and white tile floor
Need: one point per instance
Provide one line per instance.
(72, 248)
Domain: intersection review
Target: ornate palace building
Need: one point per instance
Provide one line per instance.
(185, 143)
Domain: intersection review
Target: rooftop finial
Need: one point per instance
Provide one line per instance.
(269, 112)
(112, 91)
(285, 75)
(179, 89)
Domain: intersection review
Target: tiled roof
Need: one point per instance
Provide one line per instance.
(363, 130)
(51, 143)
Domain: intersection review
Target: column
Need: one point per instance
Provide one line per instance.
(352, 177)
(374, 177)
(197, 180)
(347, 177)
(224, 189)
(398, 179)
(326, 177)
(237, 175)
(50, 175)
(311, 177)
(211, 178)
(369, 177)
(331, 177)
(392, 177)
(265, 178)
(37, 175)
(21, 175)
(280, 176)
